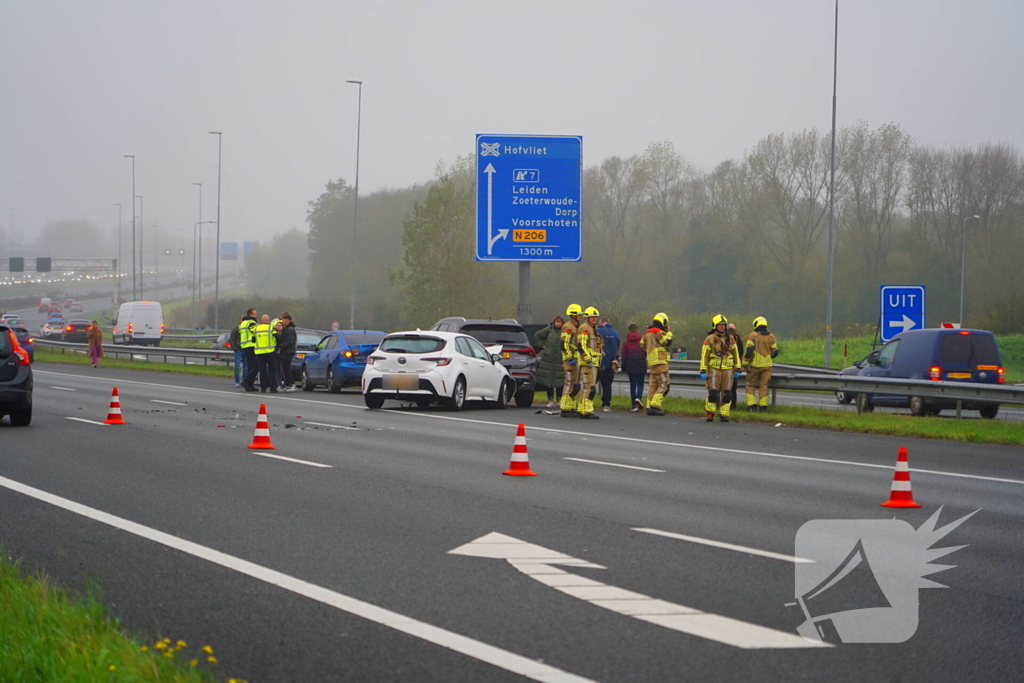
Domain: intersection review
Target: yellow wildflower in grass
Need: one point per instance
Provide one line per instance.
(207, 649)
(113, 668)
(181, 644)
(144, 648)
(194, 662)
(161, 645)
(169, 653)
(211, 660)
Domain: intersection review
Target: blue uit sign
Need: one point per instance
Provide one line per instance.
(529, 198)
(902, 308)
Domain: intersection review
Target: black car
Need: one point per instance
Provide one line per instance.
(25, 340)
(517, 352)
(15, 379)
(76, 331)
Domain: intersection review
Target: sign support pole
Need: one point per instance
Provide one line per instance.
(524, 311)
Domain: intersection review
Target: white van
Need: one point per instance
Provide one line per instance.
(139, 322)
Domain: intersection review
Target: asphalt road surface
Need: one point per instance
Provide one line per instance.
(646, 549)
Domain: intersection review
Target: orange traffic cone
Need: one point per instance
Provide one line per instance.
(261, 439)
(520, 465)
(901, 496)
(114, 413)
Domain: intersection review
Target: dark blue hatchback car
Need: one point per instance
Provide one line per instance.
(339, 359)
(15, 379)
(947, 355)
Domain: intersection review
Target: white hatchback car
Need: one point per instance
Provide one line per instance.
(447, 367)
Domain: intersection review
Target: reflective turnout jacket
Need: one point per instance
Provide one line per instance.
(590, 345)
(567, 340)
(655, 344)
(719, 351)
(760, 349)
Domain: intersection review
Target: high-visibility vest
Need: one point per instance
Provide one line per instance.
(265, 341)
(246, 339)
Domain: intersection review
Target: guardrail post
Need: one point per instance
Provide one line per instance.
(959, 405)
(773, 395)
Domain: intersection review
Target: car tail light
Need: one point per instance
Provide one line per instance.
(965, 331)
(936, 374)
(23, 358)
(70, 328)
(162, 328)
(227, 345)
(30, 340)
(441, 362)
(1001, 379)
(528, 351)
(369, 361)
(131, 327)
(352, 353)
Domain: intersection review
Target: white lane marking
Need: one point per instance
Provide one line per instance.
(82, 419)
(63, 389)
(535, 561)
(503, 659)
(321, 424)
(727, 546)
(171, 403)
(301, 462)
(615, 464)
(571, 433)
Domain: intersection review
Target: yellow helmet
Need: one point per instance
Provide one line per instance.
(574, 309)
(661, 318)
(591, 312)
(719, 320)
(759, 321)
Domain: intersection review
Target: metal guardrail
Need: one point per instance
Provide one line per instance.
(207, 356)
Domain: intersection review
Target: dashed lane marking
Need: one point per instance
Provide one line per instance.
(495, 656)
(170, 403)
(82, 419)
(63, 389)
(301, 462)
(322, 424)
(727, 546)
(615, 464)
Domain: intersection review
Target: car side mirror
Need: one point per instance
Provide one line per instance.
(495, 357)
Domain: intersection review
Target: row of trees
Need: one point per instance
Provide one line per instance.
(749, 236)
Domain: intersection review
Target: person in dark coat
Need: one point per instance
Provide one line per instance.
(609, 361)
(286, 343)
(549, 371)
(634, 364)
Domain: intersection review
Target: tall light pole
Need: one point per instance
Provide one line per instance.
(200, 185)
(216, 249)
(11, 250)
(194, 228)
(142, 229)
(355, 207)
(832, 200)
(117, 289)
(963, 263)
(135, 296)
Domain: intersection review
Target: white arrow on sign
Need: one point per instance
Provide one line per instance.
(490, 214)
(906, 323)
(536, 562)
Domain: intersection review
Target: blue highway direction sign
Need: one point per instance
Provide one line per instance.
(902, 308)
(529, 198)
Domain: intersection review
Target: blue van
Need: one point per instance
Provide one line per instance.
(936, 354)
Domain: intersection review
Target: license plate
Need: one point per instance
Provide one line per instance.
(959, 375)
(401, 382)
(300, 356)
(506, 354)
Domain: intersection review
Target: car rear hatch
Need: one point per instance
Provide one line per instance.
(9, 360)
(517, 353)
(409, 353)
(969, 357)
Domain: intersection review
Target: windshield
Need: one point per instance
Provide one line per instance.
(411, 344)
(357, 338)
(973, 349)
(497, 334)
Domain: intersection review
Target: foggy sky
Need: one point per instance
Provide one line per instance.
(84, 82)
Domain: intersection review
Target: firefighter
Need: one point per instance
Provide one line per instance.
(570, 360)
(719, 366)
(590, 347)
(655, 343)
(760, 350)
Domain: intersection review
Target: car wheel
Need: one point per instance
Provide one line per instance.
(331, 386)
(306, 384)
(988, 412)
(917, 406)
(864, 404)
(22, 418)
(844, 398)
(524, 399)
(373, 401)
(458, 398)
(505, 394)
(423, 403)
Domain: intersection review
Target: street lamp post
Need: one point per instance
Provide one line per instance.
(216, 249)
(135, 296)
(355, 206)
(10, 251)
(142, 229)
(832, 199)
(963, 263)
(194, 228)
(117, 289)
(200, 185)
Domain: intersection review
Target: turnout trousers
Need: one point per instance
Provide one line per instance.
(757, 385)
(658, 385)
(569, 400)
(588, 387)
(719, 384)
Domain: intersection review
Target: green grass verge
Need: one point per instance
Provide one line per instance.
(932, 427)
(45, 355)
(50, 634)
